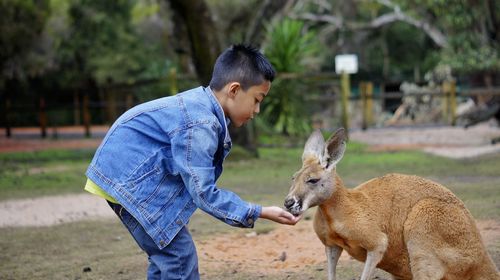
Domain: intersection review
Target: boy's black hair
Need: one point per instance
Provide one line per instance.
(243, 64)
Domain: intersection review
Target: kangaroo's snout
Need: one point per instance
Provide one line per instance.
(293, 206)
(289, 203)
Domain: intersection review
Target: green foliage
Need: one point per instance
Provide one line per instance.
(142, 10)
(467, 56)
(103, 44)
(408, 48)
(291, 49)
(21, 25)
(471, 45)
(470, 29)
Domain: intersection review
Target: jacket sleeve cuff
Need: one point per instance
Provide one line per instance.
(253, 215)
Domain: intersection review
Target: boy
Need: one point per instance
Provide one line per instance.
(160, 160)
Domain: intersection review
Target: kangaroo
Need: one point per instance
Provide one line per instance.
(409, 226)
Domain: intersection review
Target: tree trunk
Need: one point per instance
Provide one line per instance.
(202, 35)
(268, 10)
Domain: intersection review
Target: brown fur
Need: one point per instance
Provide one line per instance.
(419, 228)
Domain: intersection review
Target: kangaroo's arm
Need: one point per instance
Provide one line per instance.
(332, 255)
(373, 257)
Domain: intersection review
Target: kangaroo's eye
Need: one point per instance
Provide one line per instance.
(312, 181)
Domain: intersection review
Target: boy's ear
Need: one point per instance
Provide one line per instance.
(233, 89)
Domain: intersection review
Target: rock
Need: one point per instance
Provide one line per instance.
(283, 256)
(251, 234)
(87, 269)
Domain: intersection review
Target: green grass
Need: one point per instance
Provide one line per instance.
(266, 180)
(64, 251)
(32, 174)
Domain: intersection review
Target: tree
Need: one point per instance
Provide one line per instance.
(466, 32)
(474, 29)
(21, 26)
(101, 44)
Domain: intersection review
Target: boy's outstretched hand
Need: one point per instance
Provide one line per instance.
(276, 214)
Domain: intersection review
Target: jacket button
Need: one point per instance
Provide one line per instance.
(179, 222)
(250, 221)
(226, 146)
(162, 243)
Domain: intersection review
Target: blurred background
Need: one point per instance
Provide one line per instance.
(420, 94)
(82, 63)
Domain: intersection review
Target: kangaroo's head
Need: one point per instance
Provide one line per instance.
(315, 181)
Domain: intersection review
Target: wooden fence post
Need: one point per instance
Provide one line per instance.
(8, 131)
(449, 90)
(366, 89)
(453, 103)
(345, 91)
(172, 79)
(129, 100)
(42, 117)
(76, 108)
(86, 114)
(445, 88)
(111, 106)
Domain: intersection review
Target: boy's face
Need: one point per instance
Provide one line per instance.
(244, 105)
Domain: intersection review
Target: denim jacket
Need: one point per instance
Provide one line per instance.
(160, 160)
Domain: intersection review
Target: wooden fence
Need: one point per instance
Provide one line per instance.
(115, 98)
(447, 91)
(120, 96)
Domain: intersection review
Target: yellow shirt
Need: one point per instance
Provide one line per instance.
(93, 188)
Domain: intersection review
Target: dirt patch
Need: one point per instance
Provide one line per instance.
(52, 210)
(28, 139)
(447, 141)
(285, 249)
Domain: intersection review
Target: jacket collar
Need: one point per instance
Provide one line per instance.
(219, 112)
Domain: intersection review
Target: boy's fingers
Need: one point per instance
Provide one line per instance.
(288, 215)
(296, 219)
(291, 219)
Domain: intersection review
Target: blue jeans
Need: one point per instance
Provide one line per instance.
(176, 261)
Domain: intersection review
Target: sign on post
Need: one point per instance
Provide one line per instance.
(346, 63)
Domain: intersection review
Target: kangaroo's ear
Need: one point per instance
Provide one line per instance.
(314, 145)
(335, 148)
